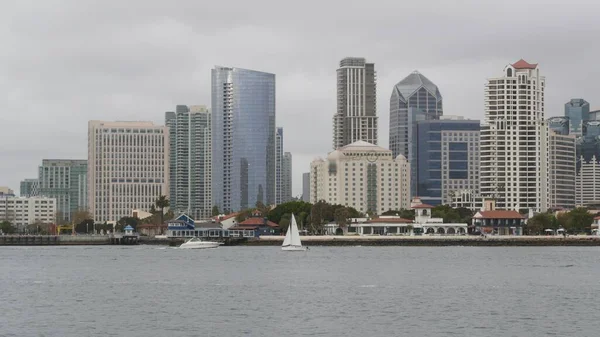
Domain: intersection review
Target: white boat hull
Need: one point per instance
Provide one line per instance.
(293, 248)
(200, 245)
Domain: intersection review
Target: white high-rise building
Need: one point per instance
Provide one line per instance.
(363, 176)
(514, 140)
(128, 167)
(588, 183)
(20, 211)
(356, 117)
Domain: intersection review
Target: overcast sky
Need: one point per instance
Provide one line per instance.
(63, 63)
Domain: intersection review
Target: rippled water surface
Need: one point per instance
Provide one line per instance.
(327, 291)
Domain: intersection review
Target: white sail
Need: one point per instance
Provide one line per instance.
(295, 233)
(288, 237)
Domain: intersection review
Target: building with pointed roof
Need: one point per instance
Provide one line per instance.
(414, 98)
(361, 175)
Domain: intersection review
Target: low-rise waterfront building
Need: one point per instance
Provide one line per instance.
(21, 212)
(259, 224)
(185, 227)
(497, 222)
(363, 176)
(425, 223)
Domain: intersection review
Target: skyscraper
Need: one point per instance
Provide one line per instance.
(356, 116)
(278, 166)
(243, 124)
(306, 187)
(514, 140)
(577, 110)
(66, 181)
(447, 160)
(128, 167)
(562, 166)
(190, 160)
(286, 177)
(29, 188)
(414, 98)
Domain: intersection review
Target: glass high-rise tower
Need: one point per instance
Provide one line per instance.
(190, 160)
(243, 142)
(414, 98)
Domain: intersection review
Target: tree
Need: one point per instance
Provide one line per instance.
(284, 224)
(317, 216)
(291, 207)
(302, 218)
(162, 202)
(579, 220)
(215, 210)
(7, 228)
(341, 216)
(153, 209)
(84, 226)
(80, 216)
(539, 222)
(128, 220)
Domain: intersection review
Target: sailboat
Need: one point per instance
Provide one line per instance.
(292, 238)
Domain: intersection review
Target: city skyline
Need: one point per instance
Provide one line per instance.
(54, 91)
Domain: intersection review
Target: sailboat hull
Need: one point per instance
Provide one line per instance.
(294, 248)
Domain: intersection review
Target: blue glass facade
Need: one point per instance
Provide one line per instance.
(577, 110)
(447, 158)
(243, 142)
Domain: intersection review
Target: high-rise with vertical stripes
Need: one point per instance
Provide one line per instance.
(356, 116)
(190, 160)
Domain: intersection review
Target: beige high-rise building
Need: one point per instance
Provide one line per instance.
(128, 167)
(363, 176)
(562, 170)
(514, 140)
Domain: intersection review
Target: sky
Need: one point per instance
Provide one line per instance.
(63, 63)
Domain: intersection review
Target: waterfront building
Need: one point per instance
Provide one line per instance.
(21, 211)
(66, 181)
(190, 167)
(356, 116)
(279, 166)
(414, 98)
(514, 140)
(185, 227)
(128, 167)
(363, 176)
(258, 224)
(29, 188)
(562, 162)
(587, 190)
(286, 177)
(306, 187)
(493, 221)
(425, 223)
(243, 124)
(447, 159)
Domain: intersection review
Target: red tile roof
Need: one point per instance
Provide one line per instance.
(522, 64)
(597, 218)
(256, 222)
(390, 220)
(223, 218)
(500, 214)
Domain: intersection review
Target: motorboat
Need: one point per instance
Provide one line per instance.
(197, 243)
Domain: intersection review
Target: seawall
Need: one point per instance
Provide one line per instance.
(497, 241)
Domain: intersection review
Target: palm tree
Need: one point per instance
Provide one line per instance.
(162, 202)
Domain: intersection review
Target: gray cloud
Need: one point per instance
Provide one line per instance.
(66, 62)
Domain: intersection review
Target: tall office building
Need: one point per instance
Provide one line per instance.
(562, 165)
(414, 98)
(286, 177)
(587, 191)
(447, 160)
(128, 167)
(64, 180)
(363, 176)
(243, 124)
(190, 166)
(29, 188)
(279, 166)
(306, 187)
(577, 111)
(514, 140)
(356, 116)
